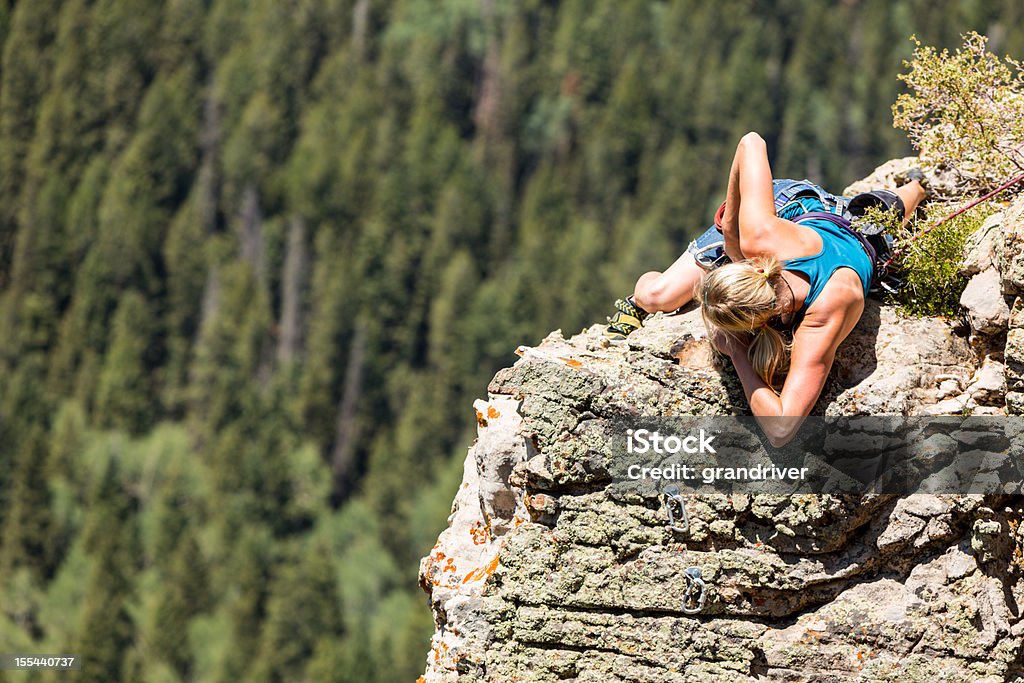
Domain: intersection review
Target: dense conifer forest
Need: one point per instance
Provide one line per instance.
(257, 257)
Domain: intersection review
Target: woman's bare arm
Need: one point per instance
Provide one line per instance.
(749, 224)
(730, 218)
(814, 347)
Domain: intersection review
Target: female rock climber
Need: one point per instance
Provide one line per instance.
(795, 270)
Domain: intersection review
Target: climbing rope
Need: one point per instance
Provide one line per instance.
(968, 207)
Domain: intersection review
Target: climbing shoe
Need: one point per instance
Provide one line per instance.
(628, 318)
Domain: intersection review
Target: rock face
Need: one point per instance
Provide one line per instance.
(542, 575)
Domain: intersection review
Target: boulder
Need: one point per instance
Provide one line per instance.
(986, 307)
(984, 247)
(942, 182)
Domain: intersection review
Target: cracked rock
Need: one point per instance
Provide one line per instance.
(544, 574)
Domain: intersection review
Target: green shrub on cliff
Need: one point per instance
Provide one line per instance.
(965, 110)
(930, 258)
(928, 254)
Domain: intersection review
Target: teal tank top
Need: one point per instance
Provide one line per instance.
(839, 249)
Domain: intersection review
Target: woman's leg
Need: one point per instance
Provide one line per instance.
(668, 291)
(912, 193)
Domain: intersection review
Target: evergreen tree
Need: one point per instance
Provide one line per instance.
(24, 77)
(303, 610)
(184, 594)
(106, 627)
(245, 579)
(124, 397)
(27, 539)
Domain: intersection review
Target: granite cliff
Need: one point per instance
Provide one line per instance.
(544, 576)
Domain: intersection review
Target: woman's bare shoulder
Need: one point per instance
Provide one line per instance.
(784, 240)
(842, 298)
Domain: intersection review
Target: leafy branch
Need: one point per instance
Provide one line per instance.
(964, 110)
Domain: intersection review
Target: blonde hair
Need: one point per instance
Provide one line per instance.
(739, 299)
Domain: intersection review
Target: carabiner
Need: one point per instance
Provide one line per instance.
(672, 495)
(695, 581)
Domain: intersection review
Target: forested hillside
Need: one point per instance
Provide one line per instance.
(258, 256)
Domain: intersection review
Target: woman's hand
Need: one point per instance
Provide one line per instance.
(728, 344)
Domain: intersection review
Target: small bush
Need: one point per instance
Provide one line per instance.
(965, 111)
(929, 264)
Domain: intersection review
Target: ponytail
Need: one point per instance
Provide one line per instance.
(739, 299)
(768, 354)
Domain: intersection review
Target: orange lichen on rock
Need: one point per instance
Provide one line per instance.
(482, 572)
(481, 533)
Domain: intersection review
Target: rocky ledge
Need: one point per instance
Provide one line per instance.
(542, 575)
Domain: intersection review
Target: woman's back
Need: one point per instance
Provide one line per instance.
(840, 248)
